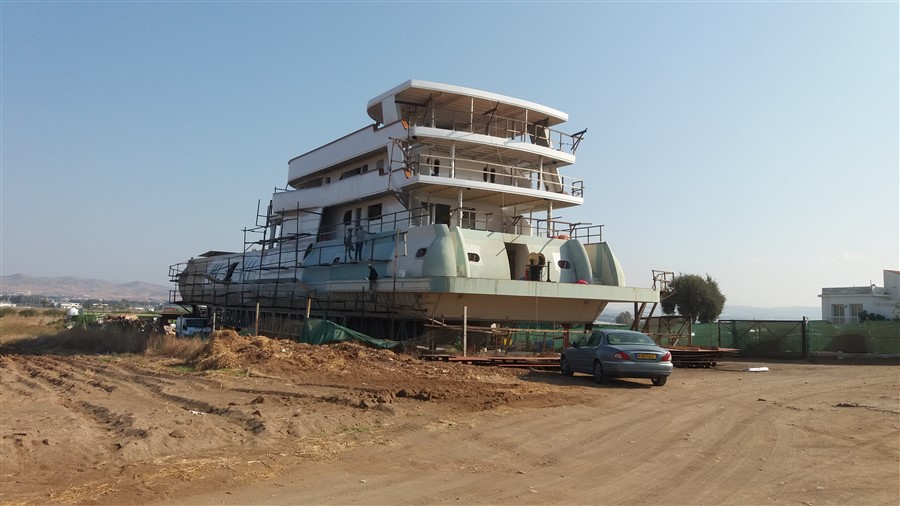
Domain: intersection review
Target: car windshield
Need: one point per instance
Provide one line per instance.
(629, 338)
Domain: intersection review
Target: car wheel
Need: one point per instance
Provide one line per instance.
(659, 381)
(599, 377)
(564, 368)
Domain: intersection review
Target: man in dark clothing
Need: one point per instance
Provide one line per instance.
(372, 277)
(360, 236)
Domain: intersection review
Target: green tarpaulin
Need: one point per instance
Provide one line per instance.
(327, 332)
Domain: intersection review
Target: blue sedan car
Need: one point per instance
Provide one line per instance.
(613, 353)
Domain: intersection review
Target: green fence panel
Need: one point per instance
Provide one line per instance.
(711, 334)
(881, 337)
(784, 339)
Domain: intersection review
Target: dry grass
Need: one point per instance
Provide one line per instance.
(167, 345)
(83, 340)
(14, 327)
(43, 331)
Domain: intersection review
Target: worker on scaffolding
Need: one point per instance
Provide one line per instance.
(348, 243)
(360, 237)
(372, 277)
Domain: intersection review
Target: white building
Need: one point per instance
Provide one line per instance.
(846, 304)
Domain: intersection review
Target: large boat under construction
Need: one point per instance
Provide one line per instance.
(442, 208)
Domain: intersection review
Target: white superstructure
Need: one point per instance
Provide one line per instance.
(451, 195)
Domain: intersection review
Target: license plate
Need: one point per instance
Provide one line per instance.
(645, 356)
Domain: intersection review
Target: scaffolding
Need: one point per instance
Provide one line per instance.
(261, 287)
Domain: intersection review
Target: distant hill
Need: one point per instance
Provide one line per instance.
(82, 288)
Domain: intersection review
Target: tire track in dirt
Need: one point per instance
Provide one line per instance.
(155, 389)
(67, 387)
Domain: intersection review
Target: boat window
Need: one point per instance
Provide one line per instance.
(564, 264)
(348, 216)
(374, 212)
(351, 173)
(380, 166)
(365, 168)
(436, 168)
(442, 214)
(468, 219)
(421, 252)
(493, 175)
(473, 257)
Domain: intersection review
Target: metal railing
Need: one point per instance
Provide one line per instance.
(510, 175)
(498, 126)
(584, 232)
(464, 217)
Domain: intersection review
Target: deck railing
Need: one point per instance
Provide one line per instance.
(510, 175)
(499, 126)
(463, 217)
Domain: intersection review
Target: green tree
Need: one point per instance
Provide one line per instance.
(695, 297)
(625, 318)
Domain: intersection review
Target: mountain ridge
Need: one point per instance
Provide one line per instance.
(82, 288)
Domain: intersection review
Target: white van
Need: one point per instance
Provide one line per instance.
(189, 326)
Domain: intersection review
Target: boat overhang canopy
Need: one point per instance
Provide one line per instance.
(416, 93)
(215, 253)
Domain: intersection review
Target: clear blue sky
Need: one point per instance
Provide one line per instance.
(756, 142)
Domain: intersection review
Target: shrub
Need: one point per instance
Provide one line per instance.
(6, 311)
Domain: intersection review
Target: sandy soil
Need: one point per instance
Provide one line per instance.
(275, 422)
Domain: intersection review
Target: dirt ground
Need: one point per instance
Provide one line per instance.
(258, 421)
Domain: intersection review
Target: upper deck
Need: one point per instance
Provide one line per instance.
(475, 124)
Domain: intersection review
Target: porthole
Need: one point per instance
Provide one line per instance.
(421, 252)
(564, 264)
(473, 257)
